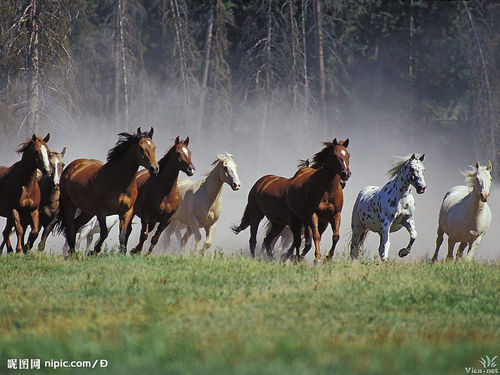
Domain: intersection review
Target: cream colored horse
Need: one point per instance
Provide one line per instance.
(465, 215)
(200, 204)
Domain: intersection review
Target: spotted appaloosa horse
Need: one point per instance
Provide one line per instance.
(388, 208)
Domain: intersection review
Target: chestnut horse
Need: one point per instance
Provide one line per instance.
(99, 189)
(19, 191)
(313, 190)
(158, 196)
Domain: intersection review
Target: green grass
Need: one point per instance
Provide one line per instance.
(219, 315)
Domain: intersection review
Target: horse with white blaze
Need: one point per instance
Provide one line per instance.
(200, 204)
(389, 208)
(465, 215)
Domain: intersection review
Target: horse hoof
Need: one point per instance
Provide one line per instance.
(403, 252)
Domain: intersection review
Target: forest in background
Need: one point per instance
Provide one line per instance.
(231, 68)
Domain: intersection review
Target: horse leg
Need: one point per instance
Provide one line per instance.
(358, 235)
(6, 235)
(19, 230)
(410, 227)
(185, 238)
(461, 249)
(45, 233)
(254, 226)
(168, 232)
(439, 241)
(335, 224)
(68, 215)
(385, 243)
(161, 226)
(142, 238)
(103, 234)
(472, 248)
(308, 235)
(209, 232)
(125, 221)
(35, 223)
(316, 237)
(451, 245)
(274, 231)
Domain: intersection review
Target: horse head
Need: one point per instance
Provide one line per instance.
(228, 170)
(57, 165)
(415, 173)
(37, 149)
(184, 156)
(482, 181)
(146, 151)
(342, 158)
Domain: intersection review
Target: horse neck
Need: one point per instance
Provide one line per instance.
(398, 187)
(27, 168)
(169, 173)
(324, 178)
(126, 166)
(475, 204)
(212, 184)
(49, 192)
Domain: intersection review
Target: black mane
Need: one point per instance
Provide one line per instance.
(125, 140)
(319, 158)
(163, 160)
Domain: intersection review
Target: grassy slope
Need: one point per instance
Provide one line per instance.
(234, 315)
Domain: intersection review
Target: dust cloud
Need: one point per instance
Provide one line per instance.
(274, 147)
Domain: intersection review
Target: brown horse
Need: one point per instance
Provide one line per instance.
(49, 202)
(317, 192)
(158, 196)
(99, 189)
(266, 198)
(19, 191)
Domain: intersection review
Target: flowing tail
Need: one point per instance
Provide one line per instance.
(244, 223)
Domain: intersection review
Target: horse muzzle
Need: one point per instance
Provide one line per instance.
(235, 186)
(345, 175)
(421, 189)
(153, 170)
(484, 197)
(190, 170)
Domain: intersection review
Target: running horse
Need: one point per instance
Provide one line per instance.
(315, 196)
(158, 196)
(103, 189)
(19, 191)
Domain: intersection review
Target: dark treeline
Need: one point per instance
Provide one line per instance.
(223, 67)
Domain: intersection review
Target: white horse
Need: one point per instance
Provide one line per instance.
(89, 230)
(200, 204)
(465, 215)
(388, 208)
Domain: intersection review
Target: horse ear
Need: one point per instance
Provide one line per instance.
(150, 134)
(346, 143)
(177, 140)
(47, 137)
(63, 151)
(413, 157)
(139, 131)
(422, 157)
(34, 137)
(334, 142)
(186, 142)
(489, 166)
(477, 165)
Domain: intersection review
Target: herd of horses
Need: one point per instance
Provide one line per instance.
(67, 199)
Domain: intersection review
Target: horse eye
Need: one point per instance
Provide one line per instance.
(225, 168)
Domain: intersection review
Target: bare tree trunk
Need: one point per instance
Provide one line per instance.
(33, 68)
(293, 30)
(318, 15)
(205, 65)
(306, 72)
(120, 70)
(180, 46)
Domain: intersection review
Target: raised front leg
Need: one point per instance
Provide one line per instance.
(335, 224)
(410, 227)
(472, 248)
(385, 243)
(461, 249)
(161, 226)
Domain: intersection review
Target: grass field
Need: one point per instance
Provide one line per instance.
(220, 315)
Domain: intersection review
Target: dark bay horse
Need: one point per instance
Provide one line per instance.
(19, 191)
(158, 196)
(266, 198)
(99, 189)
(317, 192)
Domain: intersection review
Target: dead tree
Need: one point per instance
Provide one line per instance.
(318, 19)
(120, 69)
(205, 64)
(33, 92)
